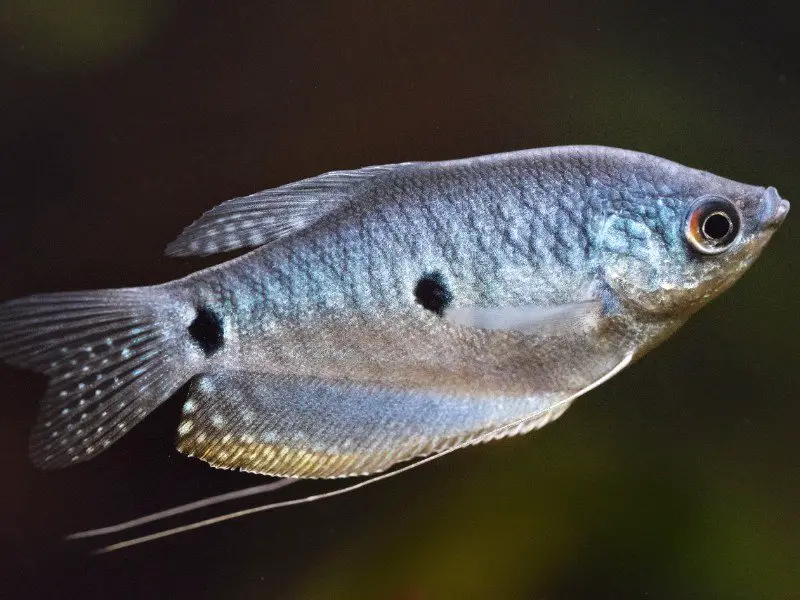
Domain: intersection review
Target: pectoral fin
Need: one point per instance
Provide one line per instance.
(303, 427)
(527, 319)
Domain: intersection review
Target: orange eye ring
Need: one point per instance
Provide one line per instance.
(712, 225)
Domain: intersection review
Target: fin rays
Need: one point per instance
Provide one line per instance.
(266, 216)
(108, 360)
(517, 425)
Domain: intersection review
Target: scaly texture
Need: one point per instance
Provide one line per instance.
(510, 280)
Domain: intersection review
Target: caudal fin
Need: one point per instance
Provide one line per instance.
(111, 356)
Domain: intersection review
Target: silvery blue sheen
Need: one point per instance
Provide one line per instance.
(393, 311)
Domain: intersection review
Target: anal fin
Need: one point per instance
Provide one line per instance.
(303, 427)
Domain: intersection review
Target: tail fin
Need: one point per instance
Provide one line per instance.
(112, 356)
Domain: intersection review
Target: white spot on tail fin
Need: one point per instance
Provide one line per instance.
(74, 339)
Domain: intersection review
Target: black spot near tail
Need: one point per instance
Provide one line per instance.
(432, 293)
(206, 330)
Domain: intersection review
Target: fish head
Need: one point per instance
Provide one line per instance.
(681, 237)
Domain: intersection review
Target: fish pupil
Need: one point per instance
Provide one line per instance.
(206, 330)
(432, 293)
(716, 226)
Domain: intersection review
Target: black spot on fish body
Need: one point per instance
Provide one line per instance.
(432, 293)
(206, 330)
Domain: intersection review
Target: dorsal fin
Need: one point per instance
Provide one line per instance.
(266, 216)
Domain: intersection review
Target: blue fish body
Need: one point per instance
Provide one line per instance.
(394, 311)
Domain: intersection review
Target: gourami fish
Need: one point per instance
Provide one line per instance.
(394, 311)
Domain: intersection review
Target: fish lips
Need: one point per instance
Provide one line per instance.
(773, 209)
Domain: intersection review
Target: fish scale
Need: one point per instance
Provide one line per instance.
(393, 311)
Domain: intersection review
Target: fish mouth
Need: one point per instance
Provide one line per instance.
(774, 209)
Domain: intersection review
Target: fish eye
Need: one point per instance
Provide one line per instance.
(712, 225)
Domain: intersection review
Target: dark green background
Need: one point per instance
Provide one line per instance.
(121, 122)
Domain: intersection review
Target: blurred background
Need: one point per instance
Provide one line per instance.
(122, 121)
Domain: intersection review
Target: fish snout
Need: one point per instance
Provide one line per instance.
(774, 208)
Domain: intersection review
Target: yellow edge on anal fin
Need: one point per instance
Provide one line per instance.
(267, 459)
